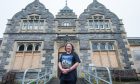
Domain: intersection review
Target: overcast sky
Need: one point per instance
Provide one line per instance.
(128, 10)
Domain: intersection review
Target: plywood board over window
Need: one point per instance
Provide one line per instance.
(26, 60)
(96, 59)
(18, 61)
(36, 60)
(105, 59)
(113, 59)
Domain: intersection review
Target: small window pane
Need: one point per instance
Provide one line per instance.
(101, 25)
(66, 24)
(37, 47)
(107, 21)
(36, 24)
(100, 17)
(95, 17)
(90, 22)
(102, 46)
(110, 47)
(36, 17)
(41, 25)
(95, 46)
(29, 48)
(25, 25)
(21, 48)
(31, 17)
(96, 26)
(106, 26)
(31, 25)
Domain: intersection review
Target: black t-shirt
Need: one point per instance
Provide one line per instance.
(68, 60)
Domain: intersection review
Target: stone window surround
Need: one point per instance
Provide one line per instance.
(107, 43)
(26, 44)
(115, 49)
(10, 66)
(34, 27)
(105, 22)
(66, 24)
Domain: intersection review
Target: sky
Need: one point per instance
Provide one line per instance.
(127, 10)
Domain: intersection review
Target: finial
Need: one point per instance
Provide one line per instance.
(66, 2)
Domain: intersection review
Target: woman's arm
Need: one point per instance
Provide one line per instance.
(60, 66)
(64, 71)
(74, 66)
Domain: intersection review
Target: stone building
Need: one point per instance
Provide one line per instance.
(135, 52)
(35, 38)
(0, 41)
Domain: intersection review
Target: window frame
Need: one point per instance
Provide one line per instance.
(106, 45)
(66, 24)
(34, 52)
(99, 23)
(31, 24)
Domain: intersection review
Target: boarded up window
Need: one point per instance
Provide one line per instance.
(18, 61)
(24, 60)
(105, 59)
(96, 59)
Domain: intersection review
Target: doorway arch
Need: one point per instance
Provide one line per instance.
(60, 51)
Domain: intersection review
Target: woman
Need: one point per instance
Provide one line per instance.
(68, 63)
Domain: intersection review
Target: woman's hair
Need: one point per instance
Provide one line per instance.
(71, 45)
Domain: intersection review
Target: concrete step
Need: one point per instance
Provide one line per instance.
(56, 81)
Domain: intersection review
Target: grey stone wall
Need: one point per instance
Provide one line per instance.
(12, 33)
(8, 44)
(0, 41)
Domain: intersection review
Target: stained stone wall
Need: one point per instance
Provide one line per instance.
(82, 35)
(13, 34)
(8, 44)
(135, 51)
(0, 41)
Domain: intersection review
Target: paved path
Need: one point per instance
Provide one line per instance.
(56, 81)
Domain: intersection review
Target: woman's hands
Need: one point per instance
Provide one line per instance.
(65, 71)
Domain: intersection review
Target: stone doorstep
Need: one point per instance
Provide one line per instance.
(56, 81)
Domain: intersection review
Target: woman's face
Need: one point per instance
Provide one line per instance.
(68, 48)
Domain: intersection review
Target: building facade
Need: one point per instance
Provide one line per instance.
(0, 41)
(135, 52)
(34, 38)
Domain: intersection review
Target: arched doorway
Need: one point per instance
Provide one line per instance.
(60, 51)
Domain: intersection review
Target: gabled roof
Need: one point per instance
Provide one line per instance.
(66, 12)
(33, 8)
(97, 8)
(66, 9)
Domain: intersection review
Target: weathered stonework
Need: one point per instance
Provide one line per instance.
(54, 38)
